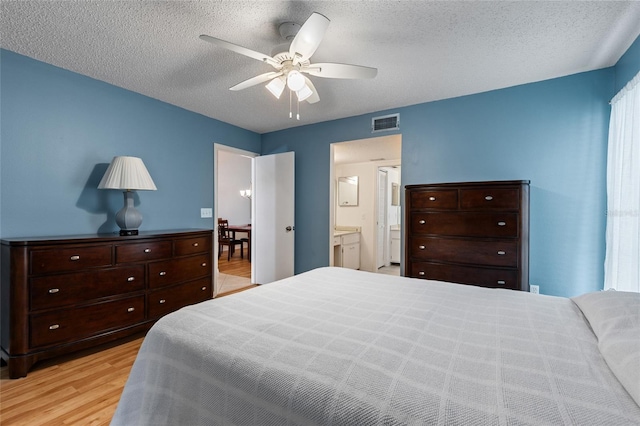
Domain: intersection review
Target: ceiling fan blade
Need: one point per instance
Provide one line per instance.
(309, 37)
(241, 50)
(314, 97)
(331, 70)
(255, 80)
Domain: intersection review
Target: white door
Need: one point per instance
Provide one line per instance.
(273, 238)
(381, 220)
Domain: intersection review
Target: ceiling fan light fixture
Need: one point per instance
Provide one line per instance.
(276, 86)
(292, 59)
(304, 93)
(295, 80)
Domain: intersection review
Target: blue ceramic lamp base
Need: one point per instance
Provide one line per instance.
(128, 218)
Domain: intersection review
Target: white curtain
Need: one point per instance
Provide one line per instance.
(622, 262)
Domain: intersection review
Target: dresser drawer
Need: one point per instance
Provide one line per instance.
(471, 224)
(490, 199)
(445, 199)
(176, 270)
(351, 238)
(69, 259)
(192, 245)
(68, 289)
(484, 277)
(167, 300)
(493, 253)
(140, 252)
(73, 324)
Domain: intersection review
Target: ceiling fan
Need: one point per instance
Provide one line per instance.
(292, 61)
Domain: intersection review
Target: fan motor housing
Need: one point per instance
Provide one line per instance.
(288, 30)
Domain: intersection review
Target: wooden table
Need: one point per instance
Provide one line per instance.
(242, 228)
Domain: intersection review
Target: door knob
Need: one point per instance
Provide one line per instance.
(289, 228)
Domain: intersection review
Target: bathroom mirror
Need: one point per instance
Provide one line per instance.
(395, 194)
(348, 191)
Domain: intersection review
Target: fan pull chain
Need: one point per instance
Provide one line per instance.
(291, 108)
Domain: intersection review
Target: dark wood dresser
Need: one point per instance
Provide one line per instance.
(62, 294)
(471, 233)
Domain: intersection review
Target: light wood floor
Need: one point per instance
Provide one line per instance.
(236, 266)
(78, 389)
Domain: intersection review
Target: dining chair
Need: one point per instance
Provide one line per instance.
(225, 238)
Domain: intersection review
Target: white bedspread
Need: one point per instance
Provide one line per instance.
(342, 347)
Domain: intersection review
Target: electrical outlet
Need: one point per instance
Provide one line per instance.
(206, 213)
(535, 289)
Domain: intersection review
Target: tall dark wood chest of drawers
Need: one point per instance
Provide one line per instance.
(62, 294)
(470, 233)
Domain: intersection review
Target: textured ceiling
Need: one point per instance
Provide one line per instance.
(423, 50)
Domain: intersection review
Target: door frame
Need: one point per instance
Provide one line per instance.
(216, 148)
(382, 241)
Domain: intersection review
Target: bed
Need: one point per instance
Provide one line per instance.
(344, 347)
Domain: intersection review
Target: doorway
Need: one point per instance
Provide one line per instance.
(365, 158)
(232, 201)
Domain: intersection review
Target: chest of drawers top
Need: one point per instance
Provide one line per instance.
(101, 238)
(80, 252)
(467, 196)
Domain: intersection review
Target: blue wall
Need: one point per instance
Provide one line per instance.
(628, 66)
(59, 132)
(552, 133)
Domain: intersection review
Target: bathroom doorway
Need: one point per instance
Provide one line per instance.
(364, 159)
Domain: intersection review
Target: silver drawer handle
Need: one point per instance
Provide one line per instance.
(131, 279)
(421, 247)
(131, 309)
(163, 273)
(432, 198)
(501, 253)
(501, 282)
(54, 290)
(421, 273)
(54, 327)
(204, 264)
(147, 250)
(195, 244)
(162, 301)
(422, 222)
(488, 198)
(203, 288)
(74, 257)
(502, 223)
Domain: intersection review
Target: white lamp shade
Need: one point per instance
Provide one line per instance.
(276, 86)
(128, 173)
(304, 93)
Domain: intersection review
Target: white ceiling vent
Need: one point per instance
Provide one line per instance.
(386, 122)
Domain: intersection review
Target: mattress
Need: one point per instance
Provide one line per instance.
(343, 347)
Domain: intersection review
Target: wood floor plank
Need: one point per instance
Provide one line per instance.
(236, 266)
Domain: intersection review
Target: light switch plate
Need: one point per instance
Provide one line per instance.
(205, 212)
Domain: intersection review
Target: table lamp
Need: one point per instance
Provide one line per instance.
(128, 174)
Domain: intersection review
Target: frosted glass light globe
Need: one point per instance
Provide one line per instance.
(295, 80)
